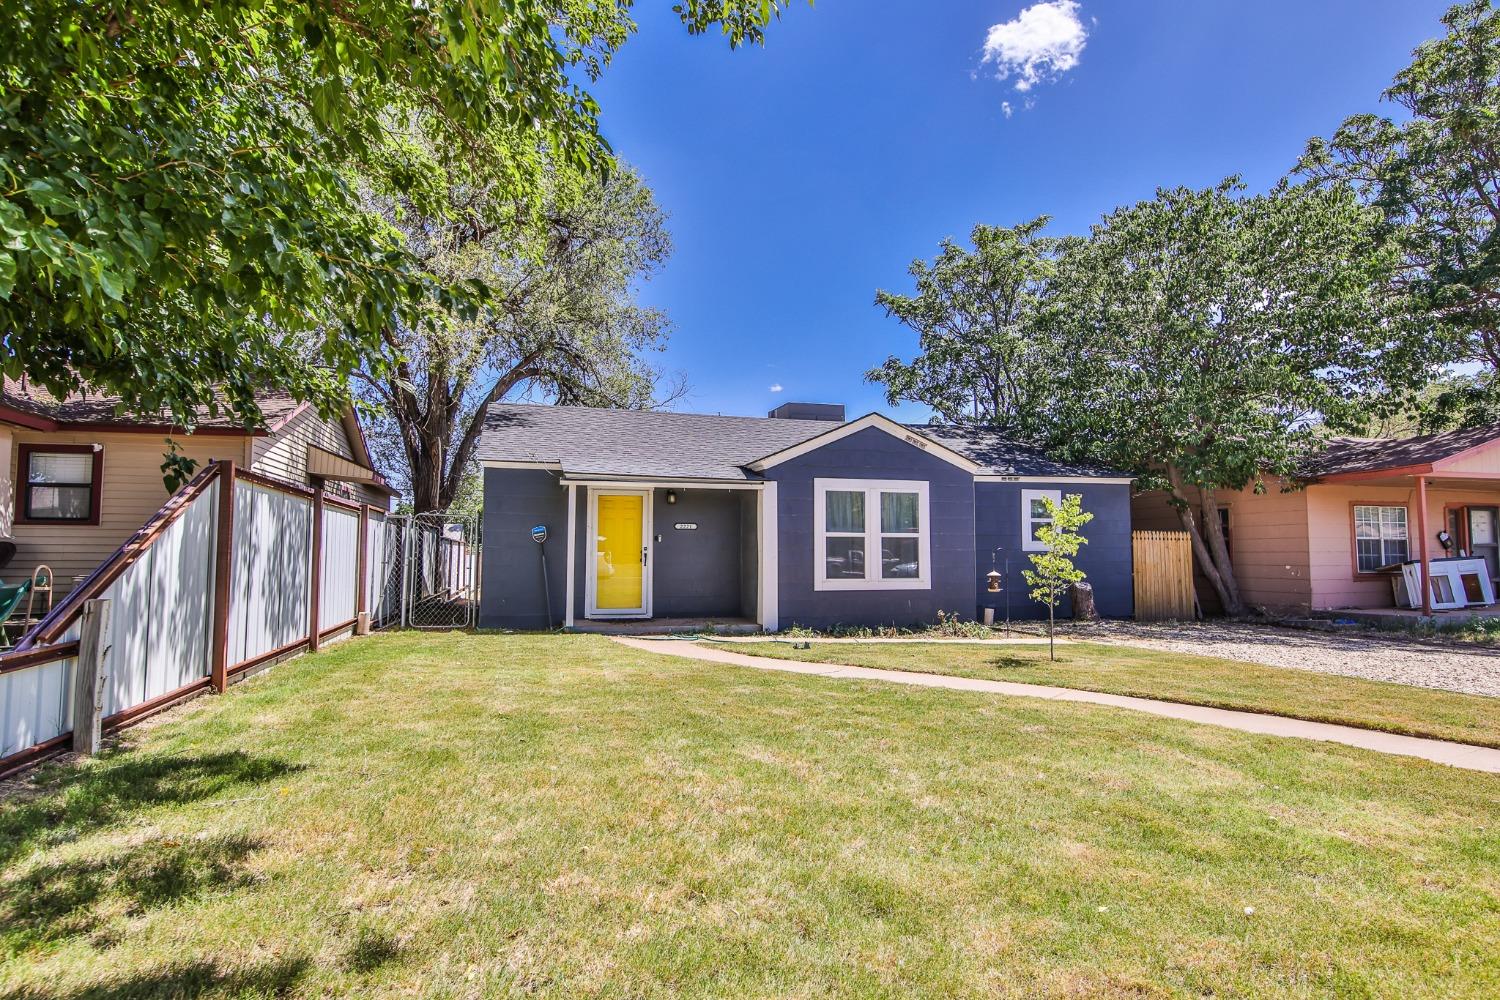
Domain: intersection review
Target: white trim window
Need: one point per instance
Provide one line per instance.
(1380, 537)
(1034, 515)
(871, 534)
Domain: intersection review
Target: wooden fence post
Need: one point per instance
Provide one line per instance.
(223, 575)
(315, 590)
(361, 597)
(88, 681)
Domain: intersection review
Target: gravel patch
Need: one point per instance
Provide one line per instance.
(1368, 654)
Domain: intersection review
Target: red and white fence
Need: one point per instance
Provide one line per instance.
(201, 596)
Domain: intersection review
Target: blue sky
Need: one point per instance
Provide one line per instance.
(803, 176)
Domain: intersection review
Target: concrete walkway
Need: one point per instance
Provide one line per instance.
(1438, 751)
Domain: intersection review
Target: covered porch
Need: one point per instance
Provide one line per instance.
(1424, 540)
(669, 556)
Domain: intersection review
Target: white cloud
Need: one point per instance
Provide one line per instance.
(1043, 42)
(1006, 109)
(775, 386)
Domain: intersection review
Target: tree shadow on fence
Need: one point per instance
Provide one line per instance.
(73, 801)
(180, 982)
(62, 900)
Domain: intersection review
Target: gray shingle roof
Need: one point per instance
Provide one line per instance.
(589, 441)
(998, 455)
(660, 444)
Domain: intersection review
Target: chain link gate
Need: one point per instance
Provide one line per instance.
(430, 572)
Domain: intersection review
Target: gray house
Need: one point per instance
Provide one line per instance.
(800, 517)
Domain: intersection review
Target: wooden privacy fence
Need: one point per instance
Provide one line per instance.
(201, 596)
(1163, 575)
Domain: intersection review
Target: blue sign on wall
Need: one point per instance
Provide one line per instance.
(539, 534)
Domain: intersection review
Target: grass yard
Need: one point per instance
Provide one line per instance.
(456, 816)
(1195, 680)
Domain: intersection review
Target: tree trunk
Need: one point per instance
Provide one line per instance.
(427, 425)
(1219, 572)
(427, 475)
(1084, 609)
(1052, 631)
(1218, 547)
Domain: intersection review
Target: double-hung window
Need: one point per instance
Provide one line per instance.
(871, 534)
(1379, 537)
(1034, 515)
(60, 483)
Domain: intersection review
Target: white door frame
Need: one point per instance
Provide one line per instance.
(591, 555)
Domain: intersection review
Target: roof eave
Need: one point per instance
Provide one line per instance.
(22, 418)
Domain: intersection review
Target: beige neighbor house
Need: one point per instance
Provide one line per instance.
(77, 478)
(1375, 518)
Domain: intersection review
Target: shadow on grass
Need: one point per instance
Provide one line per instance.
(179, 982)
(62, 900)
(71, 801)
(1009, 661)
(371, 950)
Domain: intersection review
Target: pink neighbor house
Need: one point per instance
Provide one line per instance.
(1372, 511)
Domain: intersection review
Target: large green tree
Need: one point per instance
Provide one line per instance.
(976, 314)
(561, 321)
(176, 209)
(1433, 172)
(1202, 336)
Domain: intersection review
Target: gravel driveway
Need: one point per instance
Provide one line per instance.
(1371, 655)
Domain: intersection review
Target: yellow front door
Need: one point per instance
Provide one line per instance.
(619, 553)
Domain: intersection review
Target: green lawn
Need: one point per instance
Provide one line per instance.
(558, 816)
(1196, 680)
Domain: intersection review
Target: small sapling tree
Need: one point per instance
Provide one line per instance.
(1054, 571)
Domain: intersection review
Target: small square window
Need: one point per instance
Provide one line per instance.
(1034, 515)
(845, 558)
(60, 483)
(844, 511)
(900, 557)
(898, 512)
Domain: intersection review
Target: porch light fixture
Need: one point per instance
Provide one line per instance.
(671, 496)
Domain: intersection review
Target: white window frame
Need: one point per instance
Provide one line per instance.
(1382, 538)
(1028, 542)
(872, 488)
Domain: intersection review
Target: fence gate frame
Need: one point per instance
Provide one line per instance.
(1163, 572)
(432, 571)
